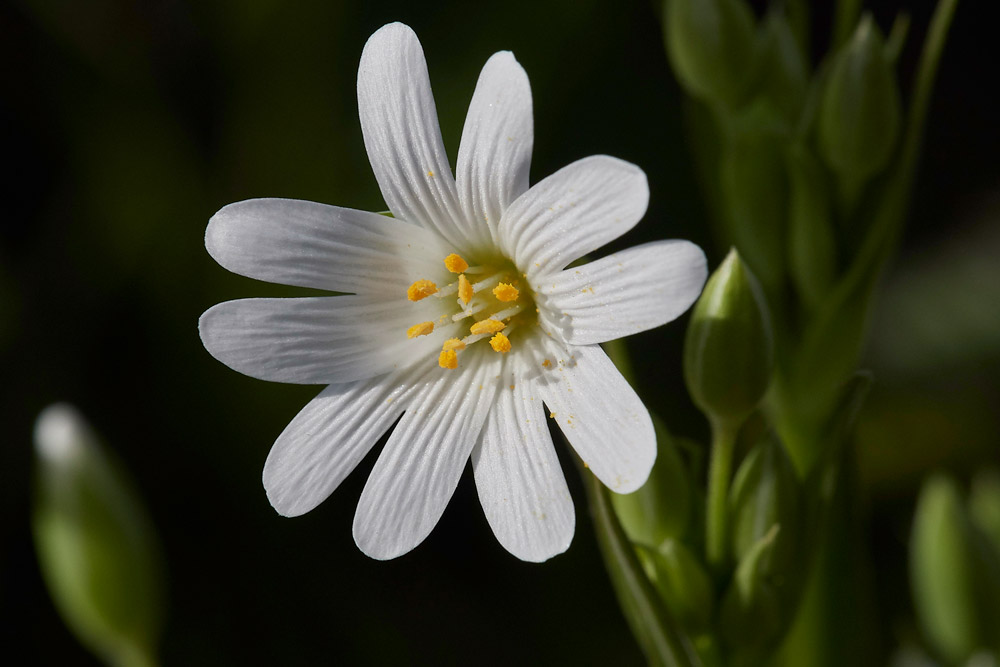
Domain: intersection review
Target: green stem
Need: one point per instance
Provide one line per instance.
(719, 473)
(662, 640)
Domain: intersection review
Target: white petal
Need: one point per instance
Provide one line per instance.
(319, 340)
(329, 437)
(572, 212)
(307, 244)
(417, 472)
(400, 126)
(495, 154)
(598, 412)
(520, 483)
(625, 293)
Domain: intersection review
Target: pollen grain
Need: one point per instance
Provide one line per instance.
(505, 292)
(421, 290)
(448, 359)
(500, 343)
(455, 263)
(465, 290)
(421, 329)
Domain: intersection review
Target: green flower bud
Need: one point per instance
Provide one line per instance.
(785, 72)
(95, 543)
(859, 116)
(752, 616)
(682, 582)
(812, 246)
(754, 188)
(954, 574)
(729, 349)
(712, 47)
(765, 493)
(661, 508)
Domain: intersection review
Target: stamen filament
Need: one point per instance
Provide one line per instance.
(447, 290)
(476, 269)
(488, 282)
(471, 309)
(506, 312)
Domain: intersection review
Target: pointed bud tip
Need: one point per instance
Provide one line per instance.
(60, 433)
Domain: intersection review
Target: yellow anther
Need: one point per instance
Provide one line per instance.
(455, 263)
(500, 343)
(420, 290)
(453, 344)
(448, 359)
(465, 291)
(505, 292)
(487, 326)
(421, 329)
(546, 363)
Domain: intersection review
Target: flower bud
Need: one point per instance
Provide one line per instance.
(660, 508)
(752, 615)
(754, 189)
(682, 582)
(859, 116)
(712, 47)
(812, 246)
(955, 575)
(729, 349)
(765, 493)
(785, 75)
(95, 543)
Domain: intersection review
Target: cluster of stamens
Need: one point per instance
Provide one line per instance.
(490, 303)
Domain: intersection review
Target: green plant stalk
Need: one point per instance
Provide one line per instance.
(855, 290)
(719, 474)
(657, 632)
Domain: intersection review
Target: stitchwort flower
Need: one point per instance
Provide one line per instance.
(461, 318)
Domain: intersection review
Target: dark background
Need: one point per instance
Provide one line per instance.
(126, 125)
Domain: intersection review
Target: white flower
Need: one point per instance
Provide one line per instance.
(462, 317)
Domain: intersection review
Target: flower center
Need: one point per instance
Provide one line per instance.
(491, 299)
